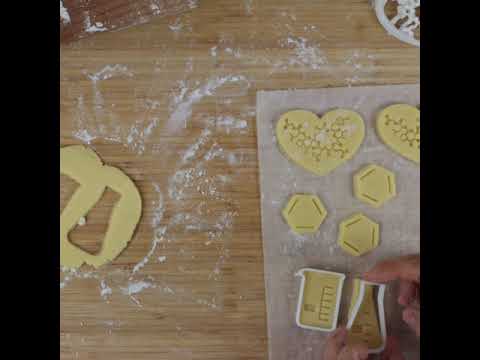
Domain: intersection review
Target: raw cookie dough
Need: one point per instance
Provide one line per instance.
(374, 185)
(358, 235)
(320, 144)
(399, 127)
(304, 213)
(319, 299)
(85, 167)
(366, 326)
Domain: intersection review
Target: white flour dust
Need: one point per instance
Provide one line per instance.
(64, 15)
(228, 123)
(360, 65)
(94, 118)
(92, 28)
(306, 54)
(181, 105)
(158, 230)
(105, 290)
(249, 6)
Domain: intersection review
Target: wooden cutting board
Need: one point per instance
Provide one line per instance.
(82, 18)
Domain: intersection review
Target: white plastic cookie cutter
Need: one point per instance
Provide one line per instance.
(319, 300)
(354, 311)
(406, 19)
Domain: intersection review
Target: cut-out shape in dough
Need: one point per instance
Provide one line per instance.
(321, 144)
(85, 167)
(366, 316)
(304, 213)
(399, 127)
(319, 299)
(358, 235)
(374, 185)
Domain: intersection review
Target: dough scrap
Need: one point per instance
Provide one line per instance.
(366, 326)
(358, 235)
(320, 145)
(374, 185)
(85, 167)
(304, 213)
(399, 128)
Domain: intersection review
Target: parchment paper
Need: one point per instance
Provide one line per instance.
(285, 252)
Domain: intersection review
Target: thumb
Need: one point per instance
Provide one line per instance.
(412, 317)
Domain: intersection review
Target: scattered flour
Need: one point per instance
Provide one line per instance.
(181, 105)
(229, 124)
(105, 290)
(305, 54)
(137, 287)
(92, 28)
(64, 15)
(249, 7)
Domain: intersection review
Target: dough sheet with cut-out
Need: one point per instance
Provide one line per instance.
(321, 144)
(85, 167)
(399, 128)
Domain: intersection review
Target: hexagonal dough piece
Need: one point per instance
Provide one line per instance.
(304, 213)
(399, 127)
(358, 235)
(374, 185)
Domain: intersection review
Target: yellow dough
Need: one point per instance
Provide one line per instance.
(399, 127)
(304, 213)
(86, 168)
(374, 185)
(366, 327)
(320, 300)
(358, 235)
(320, 144)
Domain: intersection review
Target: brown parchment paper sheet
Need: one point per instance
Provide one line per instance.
(285, 252)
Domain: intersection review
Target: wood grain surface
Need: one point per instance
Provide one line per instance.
(172, 103)
(82, 18)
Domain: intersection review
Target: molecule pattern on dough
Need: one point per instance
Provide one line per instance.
(399, 127)
(320, 144)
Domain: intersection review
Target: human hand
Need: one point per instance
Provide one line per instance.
(336, 348)
(406, 270)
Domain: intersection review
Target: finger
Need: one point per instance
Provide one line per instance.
(392, 350)
(334, 344)
(404, 268)
(354, 352)
(407, 292)
(411, 316)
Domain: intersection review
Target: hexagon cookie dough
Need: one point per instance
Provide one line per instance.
(374, 185)
(304, 213)
(358, 235)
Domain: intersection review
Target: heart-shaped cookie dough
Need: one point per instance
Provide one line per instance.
(399, 127)
(320, 144)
